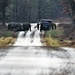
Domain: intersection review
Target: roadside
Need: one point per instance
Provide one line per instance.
(61, 37)
(7, 38)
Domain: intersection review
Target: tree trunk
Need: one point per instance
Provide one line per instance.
(39, 10)
(73, 11)
(39, 16)
(3, 12)
(29, 18)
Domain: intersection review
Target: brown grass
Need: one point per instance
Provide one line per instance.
(6, 41)
(51, 42)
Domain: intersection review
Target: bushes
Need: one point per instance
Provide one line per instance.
(7, 37)
(52, 37)
(52, 42)
(54, 33)
(8, 34)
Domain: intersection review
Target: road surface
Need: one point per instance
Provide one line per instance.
(29, 57)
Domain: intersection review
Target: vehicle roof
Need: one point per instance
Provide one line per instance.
(45, 20)
(12, 22)
(26, 23)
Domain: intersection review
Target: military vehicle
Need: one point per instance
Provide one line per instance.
(45, 24)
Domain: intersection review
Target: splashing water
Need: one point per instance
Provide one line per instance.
(32, 38)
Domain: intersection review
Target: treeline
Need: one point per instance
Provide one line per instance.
(34, 10)
(3, 6)
(29, 10)
(69, 8)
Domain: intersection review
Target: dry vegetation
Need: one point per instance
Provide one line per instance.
(58, 43)
(7, 41)
(7, 38)
(50, 42)
(62, 36)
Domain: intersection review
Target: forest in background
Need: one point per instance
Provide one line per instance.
(30, 10)
(34, 10)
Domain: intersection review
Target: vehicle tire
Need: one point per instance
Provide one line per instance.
(30, 28)
(55, 26)
(9, 27)
(38, 26)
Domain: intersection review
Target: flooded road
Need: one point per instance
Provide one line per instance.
(30, 38)
(29, 57)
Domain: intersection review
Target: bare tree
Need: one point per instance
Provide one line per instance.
(69, 7)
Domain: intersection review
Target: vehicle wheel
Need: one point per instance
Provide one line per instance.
(55, 26)
(8, 27)
(38, 28)
(30, 29)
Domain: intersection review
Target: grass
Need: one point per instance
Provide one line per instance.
(8, 34)
(7, 38)
(6, 41)
(54, 33)
(52, 42)
(52, 37)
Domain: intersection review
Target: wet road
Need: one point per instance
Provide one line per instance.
(29, 57)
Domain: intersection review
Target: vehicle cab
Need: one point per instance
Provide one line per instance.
(45, 24)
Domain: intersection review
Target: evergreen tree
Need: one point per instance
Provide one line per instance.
(3, 5)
